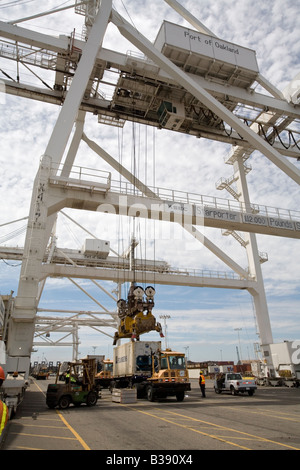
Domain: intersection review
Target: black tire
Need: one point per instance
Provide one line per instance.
(218, 390)
(112, 384)
(51, 406)
(140, 390)
(92, 398)
(233, 391)
(64, 402)
(251, 393)
(150, 393)
(180, 396)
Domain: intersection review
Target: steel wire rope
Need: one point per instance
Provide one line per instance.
(11, 265)
(133, 171)
(146, 225)
(15, 3)
(280, 140)
(120, 225)
(144, 236)
(15, 233)
(68, 229)
(128, 14)
(137, 175)
(154, 186)
(295, 142)
(271, 140)
(262, 132)
(18, 3)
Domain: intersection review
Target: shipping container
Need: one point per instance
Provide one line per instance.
(134, 358)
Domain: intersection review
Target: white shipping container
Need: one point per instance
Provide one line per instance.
(125, 357)
(226, 369)
(213, 369)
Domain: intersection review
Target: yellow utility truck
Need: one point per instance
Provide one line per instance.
(153, 372)
(105, 376)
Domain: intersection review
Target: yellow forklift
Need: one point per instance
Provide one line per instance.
(79, 387)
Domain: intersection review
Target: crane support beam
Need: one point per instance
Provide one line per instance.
(69, 111)
(206, 215)
(121, 276)
(22, 321)
(202, 95)
(189, 17)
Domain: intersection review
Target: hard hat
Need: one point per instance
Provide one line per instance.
(2, 374)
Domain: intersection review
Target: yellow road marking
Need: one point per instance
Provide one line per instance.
(27, 448)
(191, 429)
(37, 386)
(75, 434)
(82, 442)
(248, 436)
(268, 413)
(41, 417)
(238, 432)
(38, 425)
(44, 435)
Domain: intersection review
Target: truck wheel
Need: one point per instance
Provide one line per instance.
(112, 385)
(180, 396)
(51, 406)
(150, 393)
(251, 393)
(218, 390)
(140, 390)
(64, 402)
(233, 391)
(91, 399)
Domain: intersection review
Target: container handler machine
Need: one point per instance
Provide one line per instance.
(80, 386)
(153, 372)
(135, 314)
(143, 364)
(169, 377)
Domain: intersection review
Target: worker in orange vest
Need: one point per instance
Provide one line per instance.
(3, 406)
(202, 383)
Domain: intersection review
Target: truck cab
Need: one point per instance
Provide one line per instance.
(105, 376)
(169, 376)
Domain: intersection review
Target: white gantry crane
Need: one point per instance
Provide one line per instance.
(189, 82)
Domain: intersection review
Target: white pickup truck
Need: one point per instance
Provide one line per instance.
(234, 383)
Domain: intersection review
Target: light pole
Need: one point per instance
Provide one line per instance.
(187, 353)
(238, 330)
(165, 317)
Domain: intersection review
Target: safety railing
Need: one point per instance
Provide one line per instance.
(80, 176)
(94, 178)
(184, 197)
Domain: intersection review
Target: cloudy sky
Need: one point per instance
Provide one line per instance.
(202, 320)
